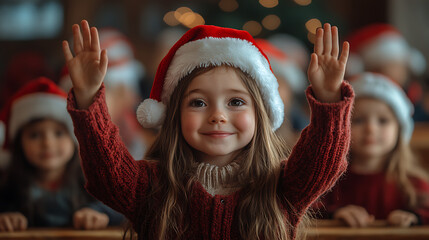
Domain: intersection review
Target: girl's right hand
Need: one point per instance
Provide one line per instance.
(12, 221)
(354, 216)
(88, 67)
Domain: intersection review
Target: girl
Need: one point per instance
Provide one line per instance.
(215, 170)
(44, 185)
(384, 180)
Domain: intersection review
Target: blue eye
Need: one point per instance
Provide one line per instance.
(236, 102)
(197, 103)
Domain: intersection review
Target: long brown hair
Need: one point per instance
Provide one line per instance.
(258, 212)
(403, 165)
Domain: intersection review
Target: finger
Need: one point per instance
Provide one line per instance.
(77, 39)
(88, 222)
(318, 45)
(361, 217)
(313, 63)
(103, 61)
(335, 46)
(327, 39)
(345, 53)
(349, 219)
(7, 224)
(77, 220)
(66, 50)
(22, 223)
(95, 42)
(86, 35)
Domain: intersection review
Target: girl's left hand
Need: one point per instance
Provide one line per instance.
(326, 70)
(89, 219)
(401, 218)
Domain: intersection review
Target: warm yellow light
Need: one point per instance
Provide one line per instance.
(228, 5)
(311, 37)
(170, 19)
(192, 19)
(253, 27)
(269, 3)
(312, 25)
(271, 22)
(180, 11)
(303, 2)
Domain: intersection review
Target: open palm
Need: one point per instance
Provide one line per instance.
(88, 67)
(326, 70)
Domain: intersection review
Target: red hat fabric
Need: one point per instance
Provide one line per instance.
(379, 43)
(40, 98)
(204, 46)
(283, 66)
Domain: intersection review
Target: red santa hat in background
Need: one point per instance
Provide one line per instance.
(381, 87)
(294, 48)
(204, 46)
(38, 99)
(283, 66)
(123, 68)
(376, 44)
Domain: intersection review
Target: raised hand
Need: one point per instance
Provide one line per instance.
(88, 67)
(326, 70)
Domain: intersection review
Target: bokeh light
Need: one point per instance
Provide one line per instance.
(269, 3)
(271, 22)
(311, 37)
(312, 25)
(181, 11)
(228, 5)
(303, 2)
(253, 27)
(170, 19)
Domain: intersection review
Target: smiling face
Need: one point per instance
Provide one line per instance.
(374, 129)
(47, 145)
(217, 115)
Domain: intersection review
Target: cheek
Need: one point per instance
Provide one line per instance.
(190, 122)
(245, 121)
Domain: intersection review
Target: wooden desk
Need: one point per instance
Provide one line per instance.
(335, 230)
(322, 230)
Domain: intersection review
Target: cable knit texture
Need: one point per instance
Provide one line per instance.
(219, 180)
(114, 177)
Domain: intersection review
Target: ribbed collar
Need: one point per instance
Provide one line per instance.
(219, 180)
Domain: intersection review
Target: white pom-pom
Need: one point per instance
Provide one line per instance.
(151, 113)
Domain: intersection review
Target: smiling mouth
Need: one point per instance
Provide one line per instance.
(217, 134)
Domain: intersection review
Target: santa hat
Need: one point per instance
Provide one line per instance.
(381, 87)
(283, 66)
(123, 68)
(376, 44)
(204, 46)
(40, 98)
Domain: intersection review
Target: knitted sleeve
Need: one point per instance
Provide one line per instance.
(319, 157)
(112, 175)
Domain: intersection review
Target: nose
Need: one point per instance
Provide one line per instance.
(217, 117)
(48, 140)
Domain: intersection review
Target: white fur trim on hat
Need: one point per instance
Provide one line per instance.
(151, 113)
(234, 52)
(38, 105)
(417, 62)
(129, 74)
(380, 87)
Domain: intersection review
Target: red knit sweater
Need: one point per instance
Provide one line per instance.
(376, 194)
(115, 178)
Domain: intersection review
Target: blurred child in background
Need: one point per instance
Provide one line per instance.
(381, 48)
(384, 180)
(292, 83)
(44, 186)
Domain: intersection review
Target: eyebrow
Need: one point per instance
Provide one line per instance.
(197, 90)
